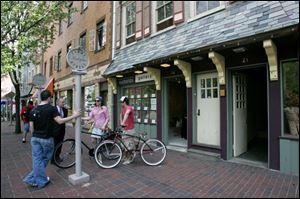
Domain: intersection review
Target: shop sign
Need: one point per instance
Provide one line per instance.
(124, 81)
(143, 78)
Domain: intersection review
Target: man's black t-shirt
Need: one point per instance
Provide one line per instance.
(42, 117)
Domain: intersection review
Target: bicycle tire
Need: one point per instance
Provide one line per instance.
(108, 154)
(66, 159)
(153, 152)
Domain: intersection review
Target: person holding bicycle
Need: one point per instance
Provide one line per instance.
(127, 121)
(99, 116)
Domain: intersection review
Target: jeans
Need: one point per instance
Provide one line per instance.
(26, 127)
(42, 151)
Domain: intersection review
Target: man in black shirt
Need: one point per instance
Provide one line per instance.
(41, 123)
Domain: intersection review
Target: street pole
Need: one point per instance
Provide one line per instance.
(78, 60)
(77, 125)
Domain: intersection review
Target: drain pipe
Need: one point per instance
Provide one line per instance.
(113, 31)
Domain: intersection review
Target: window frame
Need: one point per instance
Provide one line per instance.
(99, 47)
(59, 61)
(84, 6)
(132, 22)
(69, 47)
(165, 18)
(283, 134)
(51, 66)
(60, 27)
(80, 39)
(195, 16)
(70, 16)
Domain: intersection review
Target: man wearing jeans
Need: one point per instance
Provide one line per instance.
(127, 121)
(42, 144)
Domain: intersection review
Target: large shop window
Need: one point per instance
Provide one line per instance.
(143, 99)
(89, 99)
(290, 85)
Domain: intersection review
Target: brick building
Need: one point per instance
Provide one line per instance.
(91, 28)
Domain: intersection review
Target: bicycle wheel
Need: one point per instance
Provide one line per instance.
(108, 154)
(153, 152)
(66, 158)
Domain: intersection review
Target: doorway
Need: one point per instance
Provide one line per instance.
(176, 112)
(250, 115)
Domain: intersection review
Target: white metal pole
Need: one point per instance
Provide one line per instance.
(77, 125)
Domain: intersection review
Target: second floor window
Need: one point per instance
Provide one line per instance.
(82, 40)
(101, 35)
(130, 20)
(59, 61)
(69, 46)
(51, 66)
(70, 14)
(204, 6)
(60, 27)
(164, 10)
(84, 5)
(45, 69)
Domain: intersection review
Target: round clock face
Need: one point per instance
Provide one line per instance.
(38, 79)
(77, 58)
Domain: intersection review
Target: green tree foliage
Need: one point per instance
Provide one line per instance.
(27, 29)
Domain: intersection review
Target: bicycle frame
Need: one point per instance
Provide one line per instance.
(119, 140)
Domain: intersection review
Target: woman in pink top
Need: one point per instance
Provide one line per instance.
(100, 117)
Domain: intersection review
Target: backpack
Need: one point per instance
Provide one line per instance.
(27, 113)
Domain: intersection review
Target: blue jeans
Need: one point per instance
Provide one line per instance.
(26, 127)
(42, 151)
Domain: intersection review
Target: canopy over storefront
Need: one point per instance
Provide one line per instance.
(202, 34)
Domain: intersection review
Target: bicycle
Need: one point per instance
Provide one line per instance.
(109, 153)
(66, 159)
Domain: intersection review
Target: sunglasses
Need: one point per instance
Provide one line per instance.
(97, 100)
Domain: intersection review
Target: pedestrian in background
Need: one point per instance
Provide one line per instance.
(59, 129)
(25, 112)
(41, 122)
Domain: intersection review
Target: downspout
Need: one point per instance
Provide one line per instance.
(113, 31)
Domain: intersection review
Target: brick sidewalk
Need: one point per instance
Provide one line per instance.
(183, 175)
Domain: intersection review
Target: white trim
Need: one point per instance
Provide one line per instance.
(125, 46)
(166, 19)
(193, 15)
(163, 31)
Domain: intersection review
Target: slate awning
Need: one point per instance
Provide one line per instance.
(223, 26)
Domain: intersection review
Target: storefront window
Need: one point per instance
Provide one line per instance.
(89, 99)
(143, 99)
(290, 85)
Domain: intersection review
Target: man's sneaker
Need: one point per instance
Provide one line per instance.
(23, 140)
(126, 162)
(33, 185)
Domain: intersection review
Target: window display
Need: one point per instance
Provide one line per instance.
(143, 99)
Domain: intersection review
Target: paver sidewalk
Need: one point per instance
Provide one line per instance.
(183, 175)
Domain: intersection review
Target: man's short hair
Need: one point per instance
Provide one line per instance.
(45, 95)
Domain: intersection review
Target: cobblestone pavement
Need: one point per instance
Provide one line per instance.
(182, 175)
